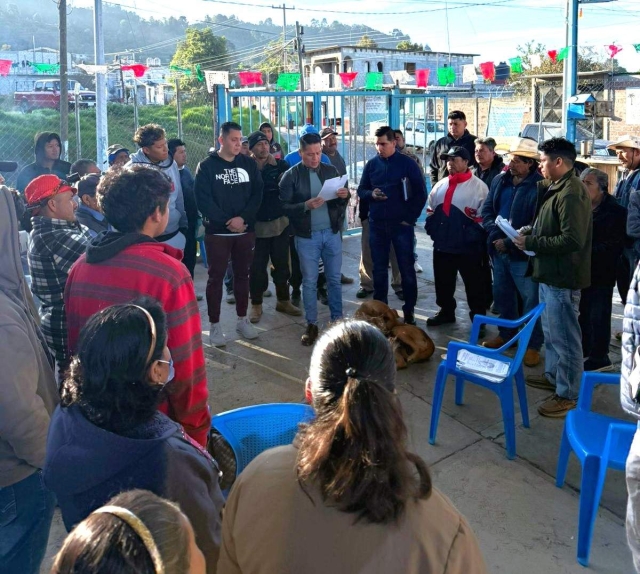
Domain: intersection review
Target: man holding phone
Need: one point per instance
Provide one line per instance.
(394, 187)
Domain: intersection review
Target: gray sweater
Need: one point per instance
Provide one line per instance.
(28, 391)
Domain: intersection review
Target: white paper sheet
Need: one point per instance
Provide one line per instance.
(331, 186)
(507, 228)
(490, 369)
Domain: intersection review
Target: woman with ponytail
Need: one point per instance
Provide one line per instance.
(347, 496)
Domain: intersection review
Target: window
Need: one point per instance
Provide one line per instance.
(410, 68)
(367, 65)
(380, 67)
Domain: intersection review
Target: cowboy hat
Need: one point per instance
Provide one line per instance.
(626, 141)
(524, 147)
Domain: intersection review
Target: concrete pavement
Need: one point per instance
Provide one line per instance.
(524, 523)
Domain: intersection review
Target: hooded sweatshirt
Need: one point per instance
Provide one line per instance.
(177, 214)
(87, 465)
(228, 189)
(30, 172)
(119, 267)
(28, 391)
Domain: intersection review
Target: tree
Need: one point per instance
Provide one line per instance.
(272, 62)
(203, 48)
(366, 42)
(408, 46)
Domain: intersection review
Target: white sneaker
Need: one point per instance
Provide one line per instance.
(246, 329)
(417, 267)
(216, 336)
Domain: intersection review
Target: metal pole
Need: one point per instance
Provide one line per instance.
(64, 85)
(571, 84)
(299, 32)
(179, 108)
(102, 127)
(78, 136)
(136, 123)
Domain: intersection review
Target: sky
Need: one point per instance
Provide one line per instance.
(491, 28)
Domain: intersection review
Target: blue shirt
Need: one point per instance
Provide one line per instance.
(294, 158)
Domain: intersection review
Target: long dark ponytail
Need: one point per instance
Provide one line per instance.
(355, 450)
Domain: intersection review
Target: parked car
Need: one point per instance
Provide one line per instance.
(554, 130)
(422, 133)
(46, 94)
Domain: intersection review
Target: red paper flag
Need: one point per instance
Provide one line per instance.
(488, 71)
(422, 78)
(347, 78)
(247, 78)
(137, 69)
(553, 54)
(5, 66)
(613, 50)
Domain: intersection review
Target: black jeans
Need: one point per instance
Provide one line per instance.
(595, 321)
(446, 267)
(190, 251)
(381, 236)
(276, 249)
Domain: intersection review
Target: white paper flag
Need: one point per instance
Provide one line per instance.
(401, 76)
(91, 69)
(214, 77)
(535, 61)
(469, 73)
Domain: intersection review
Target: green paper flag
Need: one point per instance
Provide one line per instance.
(562, 54)
(199, 73)
(374, 81)
(185, 71)
(288, 82)
(636, 47)
(46, 68)
(446, 76)
(516, 65)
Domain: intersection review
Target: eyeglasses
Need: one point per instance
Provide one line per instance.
(170, 362)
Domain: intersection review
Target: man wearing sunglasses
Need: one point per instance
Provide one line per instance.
(57, 241)
(316, 225)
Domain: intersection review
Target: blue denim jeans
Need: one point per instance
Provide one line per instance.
(381, 236)
(26, 510)
(509, 280)
(562, 339)
(327, 246)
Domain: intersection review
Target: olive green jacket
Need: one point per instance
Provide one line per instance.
(561, 235)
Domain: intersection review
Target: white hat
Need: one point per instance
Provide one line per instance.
(626, 141)
(525, 147)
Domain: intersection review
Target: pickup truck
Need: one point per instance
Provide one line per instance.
(419, 133)
(46, 94)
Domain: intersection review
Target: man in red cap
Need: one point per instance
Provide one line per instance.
(57, 240)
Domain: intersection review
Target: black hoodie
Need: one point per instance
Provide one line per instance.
(227, 189)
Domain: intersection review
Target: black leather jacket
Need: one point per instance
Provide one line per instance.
(295, 189)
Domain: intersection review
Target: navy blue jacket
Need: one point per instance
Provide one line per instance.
(386, 174)
(85, 466)
(625, 187)
(523, 209)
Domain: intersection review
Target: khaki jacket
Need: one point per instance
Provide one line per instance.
(272, 526)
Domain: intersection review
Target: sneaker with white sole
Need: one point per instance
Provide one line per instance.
(216, 336)
(417, 267)
(246, 329)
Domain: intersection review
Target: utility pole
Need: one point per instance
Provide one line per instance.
(299, 33)
(101, 86)
(284, 9)
(64, 82)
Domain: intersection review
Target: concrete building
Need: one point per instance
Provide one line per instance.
(322, 65)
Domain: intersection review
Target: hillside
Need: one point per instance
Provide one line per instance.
(35, 20)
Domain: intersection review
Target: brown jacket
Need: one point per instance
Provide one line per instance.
(271, 526)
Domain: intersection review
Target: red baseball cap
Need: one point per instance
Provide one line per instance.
(45, 186)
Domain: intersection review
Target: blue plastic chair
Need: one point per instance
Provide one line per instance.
(600, 442)
(203, 253)
(252, 430)
(504, 389)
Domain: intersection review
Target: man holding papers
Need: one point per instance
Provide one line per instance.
(393, 186)
(316, 216)
(561, 240)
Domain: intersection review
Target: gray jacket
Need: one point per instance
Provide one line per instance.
(630, 342)
(28, 391)
(177, 214)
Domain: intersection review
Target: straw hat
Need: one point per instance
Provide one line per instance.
(524, 147)
(626, 141)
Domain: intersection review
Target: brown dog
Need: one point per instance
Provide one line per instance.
(413, 345)
(379, 315)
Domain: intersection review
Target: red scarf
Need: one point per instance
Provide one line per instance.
(454, 180)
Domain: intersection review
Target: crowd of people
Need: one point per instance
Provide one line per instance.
(104, 408)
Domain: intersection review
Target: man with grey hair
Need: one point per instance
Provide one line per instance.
(490, 163)
(609, 223)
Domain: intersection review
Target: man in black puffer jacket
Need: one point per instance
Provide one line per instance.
(458, 136)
